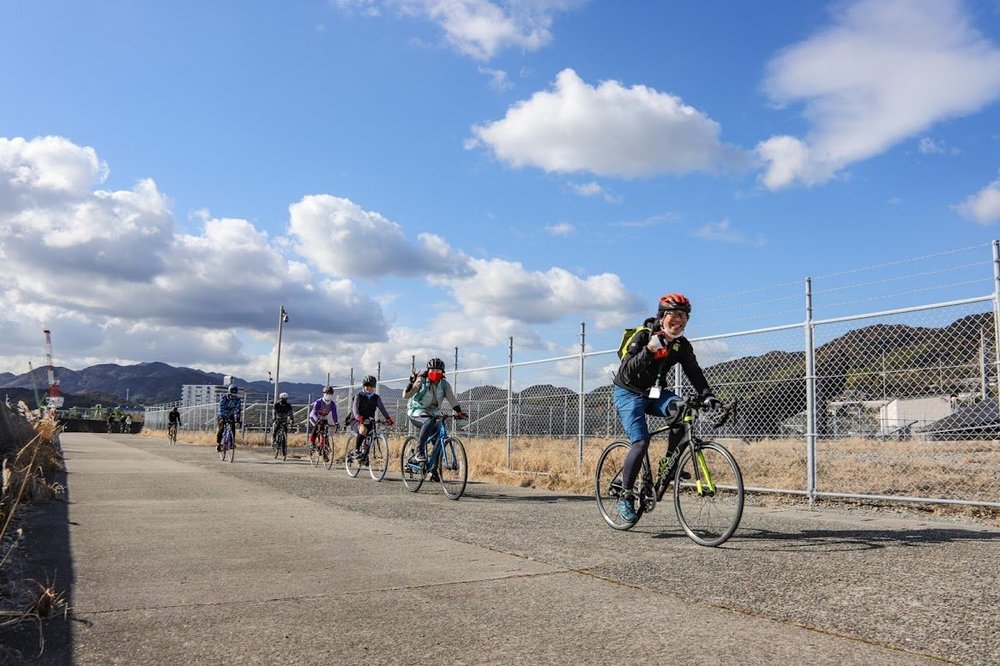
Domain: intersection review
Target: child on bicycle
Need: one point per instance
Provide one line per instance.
(282, 415)
(230, 411)
(640, 385)
(324, 409)
(363, 407)
(425, 392)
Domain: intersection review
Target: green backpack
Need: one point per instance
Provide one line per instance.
(627, 336)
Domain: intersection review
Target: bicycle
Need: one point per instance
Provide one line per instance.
(374, 452)
(708, 484)
(172, 433)
(446, 463)
(228, 445)
(280, 440)
(320, 450)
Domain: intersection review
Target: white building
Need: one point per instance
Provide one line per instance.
(201, 394)
(917, 412)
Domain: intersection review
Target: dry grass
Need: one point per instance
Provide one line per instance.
(947, 470)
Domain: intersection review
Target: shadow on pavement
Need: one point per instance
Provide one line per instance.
(45, 558)
(860, 539)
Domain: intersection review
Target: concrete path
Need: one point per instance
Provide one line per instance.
(178, 558)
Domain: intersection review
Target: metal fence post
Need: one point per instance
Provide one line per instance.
(996, 311)
(583, 395)
(810, 397)
(510, 396)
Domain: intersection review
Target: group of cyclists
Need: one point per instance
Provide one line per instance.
(640, 389)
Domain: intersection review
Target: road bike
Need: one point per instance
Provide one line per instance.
(373, 454)
(172, 433)
(280, 440)
(446, 461)
(321, 451)
(228, 445)
(708, 484)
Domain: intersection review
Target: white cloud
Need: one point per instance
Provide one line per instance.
(594, 189)
(723, 231)
(109, 268)
(984, 205)
(560, 229)
(608, 130)
(928, 146)
(499, 81)
(341, 238)
(479, 28)
(884, 71)
(505, 289)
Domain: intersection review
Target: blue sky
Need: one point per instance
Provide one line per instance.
(408, 176)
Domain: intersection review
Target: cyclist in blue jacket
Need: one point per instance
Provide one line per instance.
(230, 410)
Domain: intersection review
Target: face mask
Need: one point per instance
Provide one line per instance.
(368, 393)
(327, 398)
(435, 375)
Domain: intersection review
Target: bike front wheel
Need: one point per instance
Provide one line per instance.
(227, 443)
(709, 504)
(351, 463)
(378, 457)
(608, 486)
(453, 468)
(413, 473)
(172, 435)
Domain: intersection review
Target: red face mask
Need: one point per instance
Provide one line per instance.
(435, 375)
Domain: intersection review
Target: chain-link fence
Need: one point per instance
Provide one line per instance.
(899, 404)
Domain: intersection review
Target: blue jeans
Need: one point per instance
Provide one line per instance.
(633, 408)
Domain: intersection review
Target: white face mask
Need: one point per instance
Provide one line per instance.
(327, 398)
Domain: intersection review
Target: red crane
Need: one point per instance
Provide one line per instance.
(55, 399)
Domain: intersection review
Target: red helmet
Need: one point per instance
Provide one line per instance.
(673, 302)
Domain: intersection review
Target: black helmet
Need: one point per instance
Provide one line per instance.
(435, 364)
(232, 389)
(369, 381)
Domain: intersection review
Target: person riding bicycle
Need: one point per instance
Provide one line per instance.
(363, 407)
(324, 409)
(641, 380)
(282, 415)
(174, 418)
(230, 411)
(425, 392)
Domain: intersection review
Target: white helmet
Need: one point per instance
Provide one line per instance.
(283, 396)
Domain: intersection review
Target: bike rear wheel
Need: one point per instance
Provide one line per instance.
(608, 488)
(453, 468)
(709, 505)
(351, 463)
(378, 457)
(413, 474)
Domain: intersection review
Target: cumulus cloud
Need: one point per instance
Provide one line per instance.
(501, 288)
(341, 238)
(983, 206)
(109, 268)
(724, 232)
(883, 71)
(478, 28)
(608, 130)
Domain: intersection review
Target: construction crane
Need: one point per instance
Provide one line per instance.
(55, 400)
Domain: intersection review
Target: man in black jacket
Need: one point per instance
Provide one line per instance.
(641, 380)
